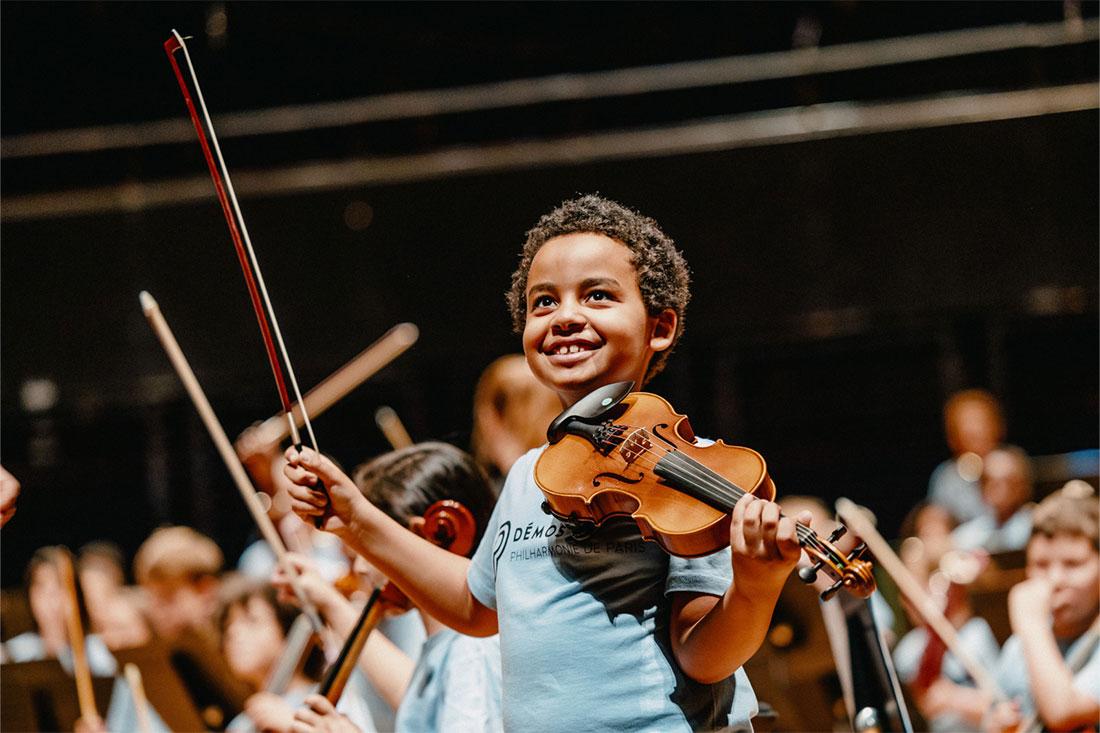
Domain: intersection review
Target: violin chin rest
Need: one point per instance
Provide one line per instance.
(588, 409)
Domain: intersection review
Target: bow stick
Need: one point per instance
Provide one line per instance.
(246, 255)
(390, 424)
(337, 385)
(84, 692)
(907, 583)
(225, 448)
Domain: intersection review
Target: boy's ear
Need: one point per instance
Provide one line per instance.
(664, 330)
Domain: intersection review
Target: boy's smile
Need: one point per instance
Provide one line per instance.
(587, 324)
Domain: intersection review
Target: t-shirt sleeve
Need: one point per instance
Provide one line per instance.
(710, 574)
(1088, 679)
(482, 575)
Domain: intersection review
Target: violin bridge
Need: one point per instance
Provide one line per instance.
(634, 446)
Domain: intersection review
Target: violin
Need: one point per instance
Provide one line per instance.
(622, 453)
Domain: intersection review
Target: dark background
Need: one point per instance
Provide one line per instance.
(842, 287)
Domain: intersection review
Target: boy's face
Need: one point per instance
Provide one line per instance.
(587, 324)
(178, 605)
(1071, 565)
(1005, 486)
(253, 640)
(49, 604)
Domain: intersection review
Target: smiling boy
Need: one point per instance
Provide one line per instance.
(601, 631)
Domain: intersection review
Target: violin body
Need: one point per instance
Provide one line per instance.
(582, 484)
(618, 453)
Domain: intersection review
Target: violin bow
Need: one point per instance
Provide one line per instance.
(242, 242)
(388, 421)
(332, 686)
(341, 382)
(907, 583)
(225, 448)
(85, 694)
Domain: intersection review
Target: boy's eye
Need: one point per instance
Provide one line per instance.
(598, 295)
(542, 301)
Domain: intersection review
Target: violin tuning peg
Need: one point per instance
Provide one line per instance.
(545, 507)
(858, 551)
(837, 533)
(831, 590)
(809, 574)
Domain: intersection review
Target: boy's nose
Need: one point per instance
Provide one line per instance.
(567, 318)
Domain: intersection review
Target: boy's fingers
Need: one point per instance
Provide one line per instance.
(320, 704)
(752, 526)
(299, 476)
(769, 525)
(786, 539)
(303, 509)
(736, 518)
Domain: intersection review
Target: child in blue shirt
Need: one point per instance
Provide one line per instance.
(604, 631)
(455, 681)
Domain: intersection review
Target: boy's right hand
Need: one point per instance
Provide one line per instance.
(316, 588)
(304, 470)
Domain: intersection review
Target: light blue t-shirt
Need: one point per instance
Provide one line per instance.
(962, 497)
(983, 533)
(976, 638)
(454, 686)
(1013, 679)
(584, 623)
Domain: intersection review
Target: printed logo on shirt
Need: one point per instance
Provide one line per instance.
(500, 543)
(536, 540)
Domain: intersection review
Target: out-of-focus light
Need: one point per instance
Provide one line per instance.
(781, 635)
(1049, 300)
(358, 215)
(38, 395)
(217, 25)
(969, 466)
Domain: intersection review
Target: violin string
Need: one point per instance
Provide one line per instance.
(709, 483)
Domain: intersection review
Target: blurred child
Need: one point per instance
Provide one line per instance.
(1006, 493)
(49, 602)
(177, 569)
(973, 425)
(254, 625)
(455, 683)
(511, 413)
(1054, 620)
(940, 685)
(111, 606)
(601, 631)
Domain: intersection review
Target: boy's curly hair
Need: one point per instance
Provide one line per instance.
(663, 275)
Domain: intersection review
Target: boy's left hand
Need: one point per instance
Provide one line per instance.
(319, 716)
(764, 545)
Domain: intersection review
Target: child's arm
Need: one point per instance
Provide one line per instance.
(712, 636)
(433, 578)
(1060, 705)
(386, 666)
